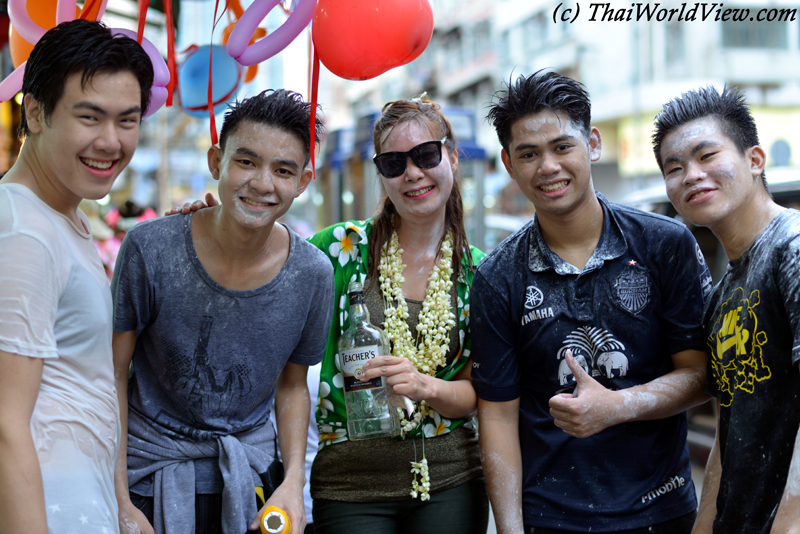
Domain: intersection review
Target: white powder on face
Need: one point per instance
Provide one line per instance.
(258, 183)
(678, 142)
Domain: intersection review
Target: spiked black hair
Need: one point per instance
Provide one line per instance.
(538, 92)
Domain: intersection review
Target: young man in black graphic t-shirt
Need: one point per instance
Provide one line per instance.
(706, 144)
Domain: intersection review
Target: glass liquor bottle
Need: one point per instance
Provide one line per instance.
(370, 413)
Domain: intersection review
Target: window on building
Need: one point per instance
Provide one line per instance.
(536, 31)
(754, 34)
(675, 43)
(481, 39)
(504, 46)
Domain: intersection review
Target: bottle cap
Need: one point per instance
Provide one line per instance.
(355, 286)
(275, 521)
(356, 293)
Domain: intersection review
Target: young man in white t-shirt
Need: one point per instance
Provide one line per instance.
(85, 92)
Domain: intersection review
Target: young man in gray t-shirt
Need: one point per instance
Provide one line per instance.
(221, 311)
(707, 146)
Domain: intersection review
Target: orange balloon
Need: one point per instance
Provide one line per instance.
(43, 13)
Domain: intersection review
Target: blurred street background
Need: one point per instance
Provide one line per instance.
(629, 67)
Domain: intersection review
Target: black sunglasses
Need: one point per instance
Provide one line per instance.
(425, 156)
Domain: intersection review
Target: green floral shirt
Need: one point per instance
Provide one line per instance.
(346, 246)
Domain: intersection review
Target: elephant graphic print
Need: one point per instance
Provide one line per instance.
(596, 350)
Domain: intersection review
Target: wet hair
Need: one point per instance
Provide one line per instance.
(428, 114)
(86, 47)
(279, 108)
(728, 108)
(541, 91)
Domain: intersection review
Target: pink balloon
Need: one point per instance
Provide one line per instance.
(160, 71)
(32, 32)
(273, 43)
(158, 97)
(12, 84)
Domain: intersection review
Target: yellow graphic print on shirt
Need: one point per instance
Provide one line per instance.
(735, 343)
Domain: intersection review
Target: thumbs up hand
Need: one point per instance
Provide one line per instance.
(590, 409)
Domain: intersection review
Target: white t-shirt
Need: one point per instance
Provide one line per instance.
(55, 304)
(312, 443)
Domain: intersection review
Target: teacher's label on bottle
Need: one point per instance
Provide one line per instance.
(353, 361)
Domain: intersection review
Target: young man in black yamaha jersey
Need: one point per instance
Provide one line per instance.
(587, 342)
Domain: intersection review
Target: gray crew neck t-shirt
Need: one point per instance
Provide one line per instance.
(207, 357)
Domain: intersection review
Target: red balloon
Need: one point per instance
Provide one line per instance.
(361, 39)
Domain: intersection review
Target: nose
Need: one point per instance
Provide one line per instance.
(693, 174)
(413, 173)
(108, 139)
(263, 183)
(550, 164)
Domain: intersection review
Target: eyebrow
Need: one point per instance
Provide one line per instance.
(97, 109)
(697, 148)
(247, 152)
(559, 139)
(244, 151)
(287, 163)
(701, 145)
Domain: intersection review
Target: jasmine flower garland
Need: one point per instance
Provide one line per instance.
(423, 487)
(429, 350)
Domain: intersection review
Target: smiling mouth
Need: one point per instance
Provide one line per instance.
(697, 195)
(102, 165)
(551, 188)
(419, 192)
(255, 202)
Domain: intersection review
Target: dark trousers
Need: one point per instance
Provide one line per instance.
(207, 512)
(679, 525)
(460, 510)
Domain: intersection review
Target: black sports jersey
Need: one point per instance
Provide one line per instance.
(638, 300)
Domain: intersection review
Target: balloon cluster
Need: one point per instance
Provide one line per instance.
(354, 39)
(31, 19)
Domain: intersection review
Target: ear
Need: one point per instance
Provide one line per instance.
(507, 163)
(758, 160)
(453, 159)
(305, 179)
(214, 160)
(595, 144)
(34, 113)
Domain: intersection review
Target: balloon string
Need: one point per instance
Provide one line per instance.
(170, 52)
(225, 98)
(213, 119)
(143, 5)
(314, 88)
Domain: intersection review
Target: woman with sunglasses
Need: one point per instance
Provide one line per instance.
(417, 238)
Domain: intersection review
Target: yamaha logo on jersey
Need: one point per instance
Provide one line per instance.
(633, 290)
(533, 297)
